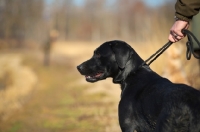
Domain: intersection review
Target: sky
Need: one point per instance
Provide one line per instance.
(154, 3)
(150, 3)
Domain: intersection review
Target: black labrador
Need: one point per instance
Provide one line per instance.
(149, 102)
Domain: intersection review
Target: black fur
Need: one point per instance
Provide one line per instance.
(149, 103)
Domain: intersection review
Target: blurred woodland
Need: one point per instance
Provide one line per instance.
(95, 20)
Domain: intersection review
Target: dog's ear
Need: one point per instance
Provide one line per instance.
(122, 52)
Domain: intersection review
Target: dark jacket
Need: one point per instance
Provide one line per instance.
(186, 9)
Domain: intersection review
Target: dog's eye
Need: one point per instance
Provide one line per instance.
(97, 55)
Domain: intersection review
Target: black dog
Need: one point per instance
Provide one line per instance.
(149, 103)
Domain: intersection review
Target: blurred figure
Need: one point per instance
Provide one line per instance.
(53, 35)
(185, 10)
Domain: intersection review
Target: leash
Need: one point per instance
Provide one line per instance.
(189, 45)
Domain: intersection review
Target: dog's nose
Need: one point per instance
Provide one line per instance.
(79, 68)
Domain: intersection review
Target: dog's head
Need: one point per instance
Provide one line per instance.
(112, 59)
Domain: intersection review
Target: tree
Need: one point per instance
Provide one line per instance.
(20, 18)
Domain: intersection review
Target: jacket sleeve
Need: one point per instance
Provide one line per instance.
(186, 9)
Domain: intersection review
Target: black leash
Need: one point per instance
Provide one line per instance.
(189, 45)
(157, 54)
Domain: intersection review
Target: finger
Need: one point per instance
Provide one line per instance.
(178, 37)
(187, 26)
(181, 25)
(175, 38)
(173, 33)
(170, 38)
(178, 33)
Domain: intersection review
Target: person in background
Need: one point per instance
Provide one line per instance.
(185, 10)
(53, 35)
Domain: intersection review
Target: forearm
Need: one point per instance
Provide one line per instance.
(186, 9)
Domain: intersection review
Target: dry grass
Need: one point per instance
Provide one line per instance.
(16, 83)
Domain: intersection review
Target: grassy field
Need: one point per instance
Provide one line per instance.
(62, 100)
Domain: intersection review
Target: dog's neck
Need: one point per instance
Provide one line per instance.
(132, 66)
(133, 78)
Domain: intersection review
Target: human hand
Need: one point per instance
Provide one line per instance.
(175, 32)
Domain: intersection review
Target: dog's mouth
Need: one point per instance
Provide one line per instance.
(94, 77)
